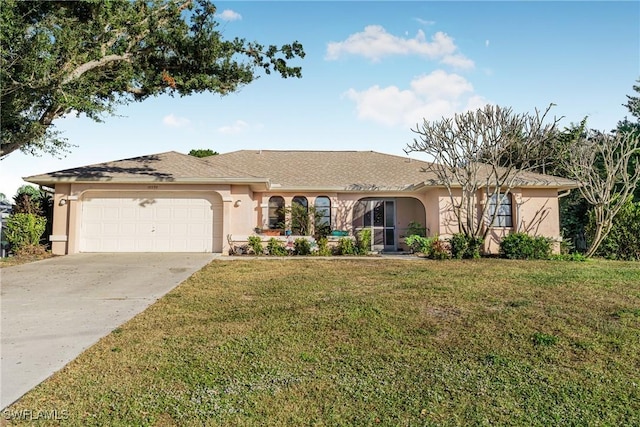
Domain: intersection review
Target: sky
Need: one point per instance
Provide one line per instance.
(373, 71)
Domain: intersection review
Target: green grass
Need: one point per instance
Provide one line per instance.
(369, 342)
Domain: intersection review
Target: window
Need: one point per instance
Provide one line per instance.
(501, 203)
(323, 212)
(276, 212)
(299, 216)
(301, 200)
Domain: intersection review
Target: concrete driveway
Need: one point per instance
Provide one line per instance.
(54, 309)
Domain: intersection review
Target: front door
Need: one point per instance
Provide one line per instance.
(380, 217)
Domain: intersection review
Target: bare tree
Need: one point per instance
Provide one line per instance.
(606, 166)
(482, 155)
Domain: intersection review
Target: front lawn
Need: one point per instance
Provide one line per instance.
(368, 342)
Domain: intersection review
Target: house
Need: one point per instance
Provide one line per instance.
(171, 202)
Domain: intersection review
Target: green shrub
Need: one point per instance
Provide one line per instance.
(439, 249)
(323, 247)
(623, 241)
(542, 247)
(524, 246)
(465, 247)
(301, 246)
(346, 246)
(415, 228)
(24, 229)
(321, 230)
(363, 241)
(255, 243)
(419, 244)
(276, 248)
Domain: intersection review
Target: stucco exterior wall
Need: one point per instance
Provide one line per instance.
(409, 209)
(534, 211)
(342, 205)
(448, 222)
(238, 210)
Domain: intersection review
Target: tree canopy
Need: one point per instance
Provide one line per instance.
(88, 57)
(202, 152)
(633, 102)
(483, 151)
(606, 166)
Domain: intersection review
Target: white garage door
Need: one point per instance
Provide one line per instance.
(146, 222)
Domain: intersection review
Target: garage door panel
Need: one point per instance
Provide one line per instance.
(165, 245)
(180, 228)
(139, 222)
(145, 212)
(127, 213)
(163, 230)
(122, 245)
(164, 212)
(127, 229)
(196, 230)
(110, 229)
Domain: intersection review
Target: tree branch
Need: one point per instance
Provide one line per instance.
(88, 66)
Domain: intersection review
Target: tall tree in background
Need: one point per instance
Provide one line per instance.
(202, 152)
(28, 199)
(607, 168)
(88, 57)
(597, 160)
(633, 102)
(627, 125)
(483, 153)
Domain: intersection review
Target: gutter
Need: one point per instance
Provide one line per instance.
(565, 193)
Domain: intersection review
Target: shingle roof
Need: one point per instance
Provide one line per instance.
(349, 170)
(170, 167)
(345, 170)
(321, 170)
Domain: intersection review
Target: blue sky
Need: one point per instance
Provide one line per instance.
(372, 71)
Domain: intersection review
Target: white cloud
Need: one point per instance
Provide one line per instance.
(486, 43)
(424, 21)
(383, 105)
(458, 61)
(430, 97)
(375, 43)
(174, 121)
(237, 127)
(229, 15)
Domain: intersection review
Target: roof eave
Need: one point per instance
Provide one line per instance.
(341, 189)
(256, 183)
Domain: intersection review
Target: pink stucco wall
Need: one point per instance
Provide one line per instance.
(238, 210)
(534, 211)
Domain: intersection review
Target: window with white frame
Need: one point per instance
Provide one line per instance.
(500, 205)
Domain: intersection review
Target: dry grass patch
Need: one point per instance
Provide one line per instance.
(24, 259)
(369, 341)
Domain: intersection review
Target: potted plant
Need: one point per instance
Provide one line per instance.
(272, 231)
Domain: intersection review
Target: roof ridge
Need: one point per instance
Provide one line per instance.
(258, 150)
